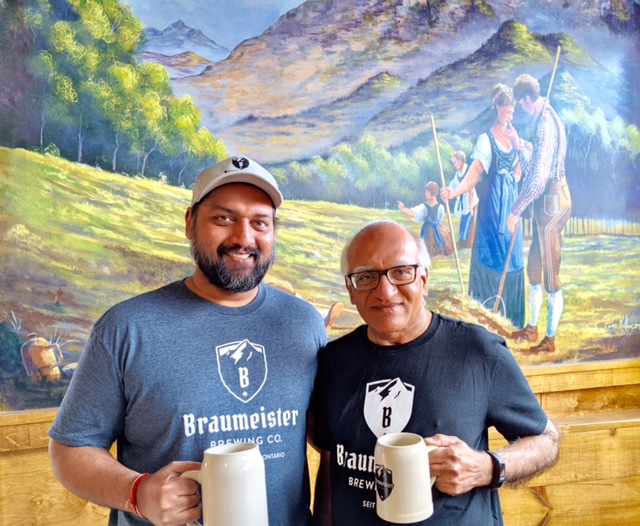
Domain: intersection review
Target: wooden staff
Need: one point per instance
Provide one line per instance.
(503, 279)
(553, 75)
(446, 204)
(496, 305)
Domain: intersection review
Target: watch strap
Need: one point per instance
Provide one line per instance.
(497, 480)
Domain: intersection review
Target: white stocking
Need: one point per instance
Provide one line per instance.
(556, 305)
(535, 303)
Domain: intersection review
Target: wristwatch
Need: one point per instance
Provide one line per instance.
(497, 480)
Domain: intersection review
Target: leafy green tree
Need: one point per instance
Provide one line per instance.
(339, 180)
(189, 144)
(115, 99)
(76, 63)
(18, 120)
(634, 142)
(407, 184)
(376, 168)
(94, 87)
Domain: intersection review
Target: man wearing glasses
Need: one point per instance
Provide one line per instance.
(409, 369)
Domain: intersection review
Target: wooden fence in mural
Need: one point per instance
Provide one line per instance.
(586, 226)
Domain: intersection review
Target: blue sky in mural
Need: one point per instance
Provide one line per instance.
(227, 23)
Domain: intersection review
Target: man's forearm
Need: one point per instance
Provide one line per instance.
(530, 456)
(92, 474)
(524, 156)
(408, 212)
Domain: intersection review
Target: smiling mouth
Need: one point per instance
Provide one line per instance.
(240, 255)
(240, 262)
(391, 306)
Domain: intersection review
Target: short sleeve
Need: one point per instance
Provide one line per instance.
(93, 409)
(482, 151)
(420, 212)
(513, 409)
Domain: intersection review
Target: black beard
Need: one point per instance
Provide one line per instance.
(220, 275)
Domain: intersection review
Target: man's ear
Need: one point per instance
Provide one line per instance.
(347, 284)
(187, 222)
(424, 277)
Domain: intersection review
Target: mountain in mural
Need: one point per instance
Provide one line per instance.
(329, 71)
(322, 52)
(178, 39)
(187, 64)
(459, 95)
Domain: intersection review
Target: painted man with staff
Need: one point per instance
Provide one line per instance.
(545, 188)
(496, 277)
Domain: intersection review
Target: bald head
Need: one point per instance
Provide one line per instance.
(395, 262)
(380, 233)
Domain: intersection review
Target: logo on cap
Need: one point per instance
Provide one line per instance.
(240, 162)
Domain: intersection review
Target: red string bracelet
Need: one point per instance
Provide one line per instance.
(132, 504)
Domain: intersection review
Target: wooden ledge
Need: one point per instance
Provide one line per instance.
(592, 422)
(35, 416)
(584, 375)
(25, 430)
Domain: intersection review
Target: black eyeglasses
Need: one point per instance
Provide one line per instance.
(369, 279)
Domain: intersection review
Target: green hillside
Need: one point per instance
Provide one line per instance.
(75, 240)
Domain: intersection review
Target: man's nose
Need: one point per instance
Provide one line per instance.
(242, 233)
(385, 287)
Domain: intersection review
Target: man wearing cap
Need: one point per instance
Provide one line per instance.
(213, 359)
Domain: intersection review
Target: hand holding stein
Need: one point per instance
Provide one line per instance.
(403, 480)
(234, 490)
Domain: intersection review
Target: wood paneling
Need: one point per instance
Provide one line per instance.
(580, 402)
(605, 502)
(587, 375)
(593, 448)
(31, 496)
(596, 481)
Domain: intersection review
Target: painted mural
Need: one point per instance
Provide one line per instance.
(363, 110)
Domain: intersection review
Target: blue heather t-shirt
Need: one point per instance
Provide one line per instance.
(168, 374)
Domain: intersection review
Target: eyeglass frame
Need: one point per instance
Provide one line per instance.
(349, 277)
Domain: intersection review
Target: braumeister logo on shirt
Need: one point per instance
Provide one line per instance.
(242, 367)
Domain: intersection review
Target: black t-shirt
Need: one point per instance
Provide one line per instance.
(456, 379)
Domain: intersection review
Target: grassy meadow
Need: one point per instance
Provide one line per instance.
(76, 239)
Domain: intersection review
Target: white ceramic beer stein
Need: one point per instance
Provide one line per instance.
(403, 480)
(234, 489)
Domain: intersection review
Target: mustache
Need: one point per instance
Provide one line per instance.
(253, 251)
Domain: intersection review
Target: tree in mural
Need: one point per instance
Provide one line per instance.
(98, 104)
(88, 86)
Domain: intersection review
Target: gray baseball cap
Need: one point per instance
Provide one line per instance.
(236, 170)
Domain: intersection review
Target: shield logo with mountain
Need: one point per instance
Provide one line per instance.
(388, 405)
(242, 367)
(384, 481)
